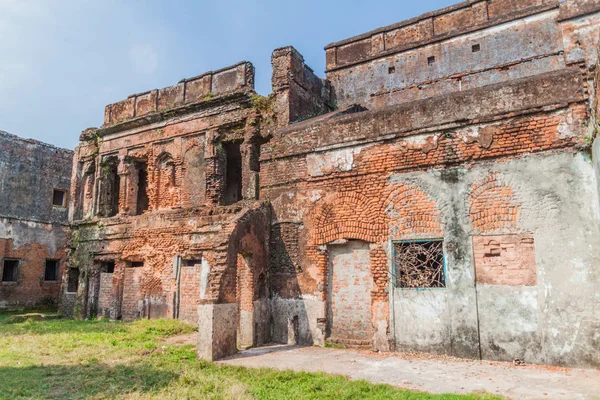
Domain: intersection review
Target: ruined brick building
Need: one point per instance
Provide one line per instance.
(437, 192)
(35, 179)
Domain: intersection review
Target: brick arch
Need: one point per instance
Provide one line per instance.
(412, 211)
(348, 215)
(492, 205)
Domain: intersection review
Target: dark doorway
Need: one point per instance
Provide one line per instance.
(111, 181)
(142, 192)
(233, 173)
(73, 282)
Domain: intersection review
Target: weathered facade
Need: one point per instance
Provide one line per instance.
(437, 192)
(35, 179)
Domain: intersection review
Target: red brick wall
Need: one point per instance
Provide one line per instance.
(132, 294)
(493, 206)
(105, 299)
(189, 295)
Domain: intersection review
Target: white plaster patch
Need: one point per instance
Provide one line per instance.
(341, 160)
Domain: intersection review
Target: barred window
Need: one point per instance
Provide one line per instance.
(419, 264)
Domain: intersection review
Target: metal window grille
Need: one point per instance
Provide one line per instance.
(419, 264)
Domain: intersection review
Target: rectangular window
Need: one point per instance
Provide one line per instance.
(191, 263)
(419, 264)
(108, 267)
(73, 283)
(137, 264)
(10, 271)
(59, 198)
(51, 271)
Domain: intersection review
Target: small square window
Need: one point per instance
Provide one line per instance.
(108, 267)
(10, 271)
(431, 60)
(73, 282)
(59, 198)
(51, 271)
(476, 48)
(391, 70)
(419, 264)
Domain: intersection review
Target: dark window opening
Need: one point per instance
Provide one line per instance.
(59, 198)
(191, 263)
(111, 183)
(431, 60)
(233, 174)
(137, 264)
(262, 286)
(476, 48)
(10, 271)
(73, 282)
(108, 267)
(142, 194)
(51, 270)
(391, 70)
(419, 264)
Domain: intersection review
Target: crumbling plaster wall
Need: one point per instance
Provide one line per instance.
(552, 321)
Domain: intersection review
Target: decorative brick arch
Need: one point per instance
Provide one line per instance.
(492, 205)
(413, 211)
(348, 215)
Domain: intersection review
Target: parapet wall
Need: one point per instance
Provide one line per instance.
(431, 27)
(236, 78)
(466, 46)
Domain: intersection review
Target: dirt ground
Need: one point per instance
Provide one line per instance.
(430, 373)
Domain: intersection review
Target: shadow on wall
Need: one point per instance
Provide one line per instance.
(290, 322)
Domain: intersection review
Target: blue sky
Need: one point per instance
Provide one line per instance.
(62, 61)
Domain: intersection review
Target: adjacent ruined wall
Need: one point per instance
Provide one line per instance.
(153, 197)
(32, 230)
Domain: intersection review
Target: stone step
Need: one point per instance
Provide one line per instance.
(351, 343)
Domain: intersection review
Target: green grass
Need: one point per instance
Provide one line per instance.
(67, 359)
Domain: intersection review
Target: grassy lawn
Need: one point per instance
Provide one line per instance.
(66, 359)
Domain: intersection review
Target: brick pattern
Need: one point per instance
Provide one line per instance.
(105, 302)
(413, 210)
(189, 295)
(518, 136)
(493, 206)
(507, 260)
(350, 291)
(133, 299)
(511, 137)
